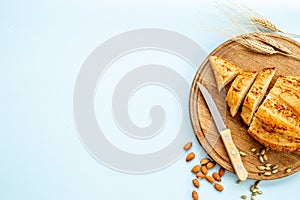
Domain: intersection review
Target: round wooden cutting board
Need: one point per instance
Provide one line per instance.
(204, 127)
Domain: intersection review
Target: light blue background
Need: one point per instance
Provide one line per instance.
(43, 45)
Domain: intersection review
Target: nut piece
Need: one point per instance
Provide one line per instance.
(216, 176)
(244, 196)
(204, 169)
(190, 157)
(268, 173)
(265, 157)
(252, 188)
(243, 154)
(210, 165)
(268, 165)
(196, 169)
(261, 168)
(200, 175)
(195, 195)
(288, 170)
(275, 167)
(187, 146)
(268, 168)
(210, 179)
(218, 187)
(196, 183)
(261, 159)
(204, 161)
(221, 171)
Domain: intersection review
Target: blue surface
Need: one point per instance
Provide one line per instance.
(43, 45)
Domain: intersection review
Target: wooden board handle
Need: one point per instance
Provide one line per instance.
(234, 155)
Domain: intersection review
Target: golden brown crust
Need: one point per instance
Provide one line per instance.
(274, 114)
(277, 121)
(238, 90)
(256, 94)
(288, 92)
(224, 71)
(271, 139)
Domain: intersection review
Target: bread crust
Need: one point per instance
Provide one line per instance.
(277, 121)
(238, 90)
(224, 71)
(273, 140)
(256, 94)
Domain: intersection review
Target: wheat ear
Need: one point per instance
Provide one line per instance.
(269, 25)
(258, 46)
(264, 37)
(265, 23)
(255, 45)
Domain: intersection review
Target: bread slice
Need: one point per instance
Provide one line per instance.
(256, 94)
(269, 138)
(238, 90)
(224, 71)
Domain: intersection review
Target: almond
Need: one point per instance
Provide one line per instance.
(204, 169)
(196, 169)
(200, 175)
(221, 171)
(195, 195)
(190, 157)
(210, 179)
(216, 176)
(204, 161)
(196, 183)
(210, 165)
(187, 146)
(218, 187)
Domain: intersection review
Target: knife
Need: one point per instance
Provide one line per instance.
(230, 147)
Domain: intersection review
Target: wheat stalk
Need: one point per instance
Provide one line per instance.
(260, 47)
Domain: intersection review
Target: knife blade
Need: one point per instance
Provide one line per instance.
(225, 133)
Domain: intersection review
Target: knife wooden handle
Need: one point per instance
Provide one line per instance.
(234, 155)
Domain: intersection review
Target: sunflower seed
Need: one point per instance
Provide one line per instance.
(261, 168)
(252, 188)
(274, 171)
(265, 157)
(268, 173)
(243, 154)
(275, 167)
(259, 192)
(261, 159)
